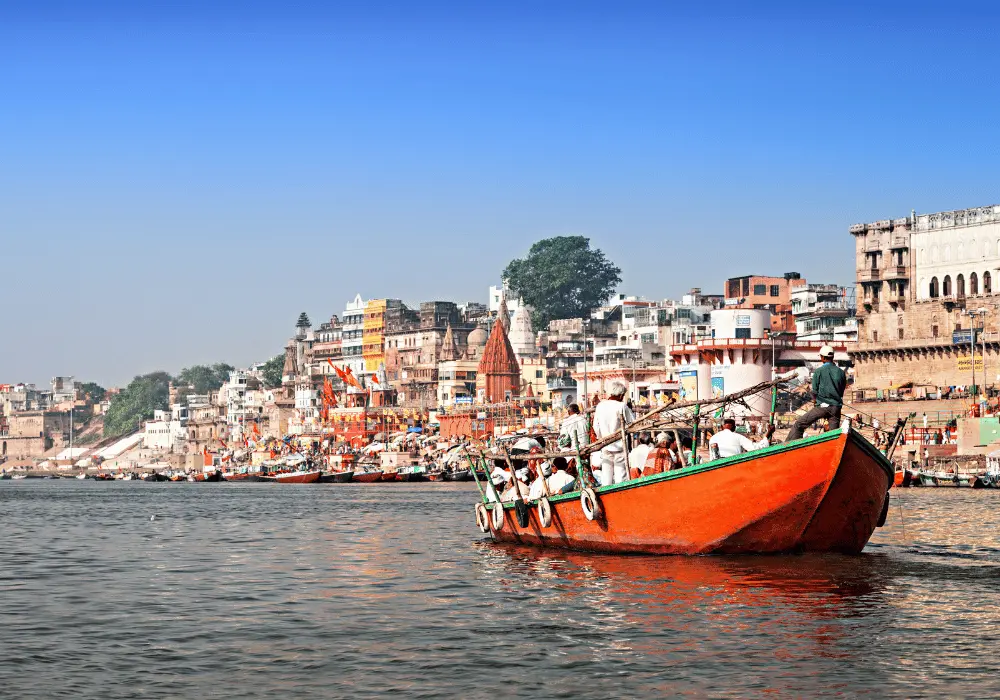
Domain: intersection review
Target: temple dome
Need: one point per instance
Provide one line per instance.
(477, 338)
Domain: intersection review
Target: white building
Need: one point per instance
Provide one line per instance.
(502, 293)
(167, 430)
(352, 342)
(957, 252)
(522, 336)
(823, 312)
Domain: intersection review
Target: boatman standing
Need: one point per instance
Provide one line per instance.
(609, 416)
(828, 385)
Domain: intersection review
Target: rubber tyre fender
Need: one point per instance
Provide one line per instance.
(482, 518)
(544, 511)
(498, 516)
(885, 511)
(591, 506)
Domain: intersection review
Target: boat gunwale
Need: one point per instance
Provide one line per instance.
(693, 469)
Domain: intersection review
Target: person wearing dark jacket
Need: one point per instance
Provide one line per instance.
(828, 385)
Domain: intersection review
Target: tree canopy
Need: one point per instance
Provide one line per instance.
(562, 277)
(136, 403)
(271, 371)
(93, 392)
(205, 378)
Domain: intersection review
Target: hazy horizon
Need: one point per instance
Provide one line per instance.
(179, 183)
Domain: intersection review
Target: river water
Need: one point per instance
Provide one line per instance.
(146, 590)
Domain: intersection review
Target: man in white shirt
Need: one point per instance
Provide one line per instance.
(539, 485)
(609, 416)
(560, 481)
(637, 457)
(728, 443)
(573, 432)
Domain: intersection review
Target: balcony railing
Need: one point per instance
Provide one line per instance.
(870, 275)
(897, 272)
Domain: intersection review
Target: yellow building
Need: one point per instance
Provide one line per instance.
(373, 336)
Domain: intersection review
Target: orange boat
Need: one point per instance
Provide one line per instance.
(299, 477)
(825, 493)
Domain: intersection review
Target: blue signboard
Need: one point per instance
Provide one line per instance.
(962, 337)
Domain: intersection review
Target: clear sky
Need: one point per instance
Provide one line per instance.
(179, 180)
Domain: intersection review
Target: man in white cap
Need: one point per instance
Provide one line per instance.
(538, 486)
(609, 416)
(828, 385)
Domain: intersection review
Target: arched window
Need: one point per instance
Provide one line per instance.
(987, 283)
(947, 253)
(933, 292)
(986, 249)
(934, 252)
(973, 284)
(961, 252)
(960, 285)
(972, 249)
(946, 286)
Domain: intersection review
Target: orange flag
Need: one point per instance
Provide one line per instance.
(374, 380)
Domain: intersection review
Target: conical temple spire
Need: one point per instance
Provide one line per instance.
(503, 315)
(499, 374)
(448, 349)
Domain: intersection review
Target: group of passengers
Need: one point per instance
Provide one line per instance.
(530, 481)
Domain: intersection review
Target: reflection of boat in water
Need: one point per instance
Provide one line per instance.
(827, 492)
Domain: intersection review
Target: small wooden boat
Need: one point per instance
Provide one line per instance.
(823, 493)
(296, 477)
(459, 475)
(434, 476)
(156, 476)
(336, 477)
(368, 477)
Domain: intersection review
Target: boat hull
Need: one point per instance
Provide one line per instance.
(367, 477)
(310, 477)
(337, 477)
(460, 475)
(824, 493)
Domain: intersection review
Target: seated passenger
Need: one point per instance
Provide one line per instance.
(728, 443)
(662, 458)
(539, 485)
(561, 481)
(637, 457)
(520, 483)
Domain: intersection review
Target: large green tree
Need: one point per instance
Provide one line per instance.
(205, 378)
(562, 277)
(271, 371)
(136, 403)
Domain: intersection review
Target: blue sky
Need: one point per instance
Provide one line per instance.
(178, 182)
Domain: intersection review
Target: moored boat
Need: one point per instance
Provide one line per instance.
(336, 477)
(824, 493)
(368, 477)
(296, 477)
(459, 475)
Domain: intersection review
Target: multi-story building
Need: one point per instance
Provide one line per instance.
(761, 292)
(927, 287)
(352, 335)
(824, 312)
(327, 348)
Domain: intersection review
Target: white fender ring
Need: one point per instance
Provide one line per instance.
(591, 506)
(482, 518)
(498, 516)
(544, 511)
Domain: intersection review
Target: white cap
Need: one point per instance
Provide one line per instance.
(522, 474)
(546, 468)
(826, 351)
(661, 437)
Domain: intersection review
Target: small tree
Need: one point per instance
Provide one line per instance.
(271, 371)
(92, 392)
(136, 403)
(303, 321)
(562, 277)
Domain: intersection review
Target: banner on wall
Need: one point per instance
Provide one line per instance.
(689, 384)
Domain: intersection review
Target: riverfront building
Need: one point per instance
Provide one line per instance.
(927, 284)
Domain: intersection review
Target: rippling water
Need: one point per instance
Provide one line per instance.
(120, 590)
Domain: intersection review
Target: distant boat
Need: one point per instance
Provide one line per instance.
(368, 477)
(298, 477)
(458, 475)
(337, 477)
